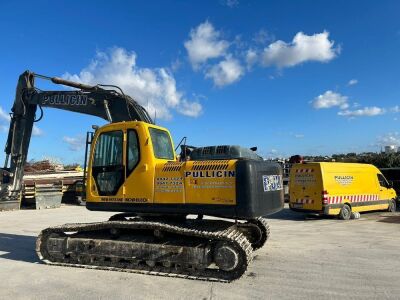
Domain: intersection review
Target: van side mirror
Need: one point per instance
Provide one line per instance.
(390, 185)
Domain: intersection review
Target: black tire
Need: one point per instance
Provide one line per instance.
(345, 212)
(392, 206)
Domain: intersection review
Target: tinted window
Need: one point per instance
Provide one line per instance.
(382, 181)
(162, 145)
(132, 151)
(108, 149)
(107, 168)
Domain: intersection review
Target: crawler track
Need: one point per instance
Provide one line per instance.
(265, 232)
(53, 247)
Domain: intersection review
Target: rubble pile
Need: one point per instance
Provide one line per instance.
(42, 166)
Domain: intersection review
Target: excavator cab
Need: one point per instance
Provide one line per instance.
(123, 160)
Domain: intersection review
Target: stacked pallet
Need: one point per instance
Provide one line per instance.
(46, 184)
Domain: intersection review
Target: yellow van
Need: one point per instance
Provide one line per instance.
(339, 189)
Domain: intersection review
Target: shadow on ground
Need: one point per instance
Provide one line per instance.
(287, 214)
(391, 219)
(18, 247)
(379, 216)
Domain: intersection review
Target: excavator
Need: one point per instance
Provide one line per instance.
(160, 199)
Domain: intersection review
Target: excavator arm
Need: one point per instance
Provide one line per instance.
(104, 101)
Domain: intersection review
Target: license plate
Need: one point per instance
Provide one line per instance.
(297, 205)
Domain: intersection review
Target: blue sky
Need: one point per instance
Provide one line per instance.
(291, 77)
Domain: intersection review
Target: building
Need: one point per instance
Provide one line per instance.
(391, 149)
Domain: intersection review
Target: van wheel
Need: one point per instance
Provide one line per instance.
(345, 212)
(392, 206)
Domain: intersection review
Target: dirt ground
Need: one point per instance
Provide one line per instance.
(306, 258)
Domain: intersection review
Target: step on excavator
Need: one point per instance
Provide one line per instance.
(159, 198)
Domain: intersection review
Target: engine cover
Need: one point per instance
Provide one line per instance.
(223, 152)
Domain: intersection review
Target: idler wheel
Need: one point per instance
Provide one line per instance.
(262, 233)
(226, 257)
(256, 232)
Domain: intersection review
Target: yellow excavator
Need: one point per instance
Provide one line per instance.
(161, 197)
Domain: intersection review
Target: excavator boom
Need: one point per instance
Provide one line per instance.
(107, 102)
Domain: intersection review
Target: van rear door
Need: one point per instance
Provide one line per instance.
(305, 187)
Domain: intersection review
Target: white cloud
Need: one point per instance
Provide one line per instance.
(352, 82)
(155, 89)
(251, 57)
(205, 44)
(330, 99)
(391, 138)
(303, 48)
(191, 109)
(36, 131)
(363, 112)
(298, 136)
(207, 50)
(230, 3)
(395, 109)
(225, 72)
(75, 143)
(5, 118)
(263, 36)
(176, 65)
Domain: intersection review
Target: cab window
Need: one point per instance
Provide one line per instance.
(162, 145)
(132, 153)
(107, 167)
(382, 181)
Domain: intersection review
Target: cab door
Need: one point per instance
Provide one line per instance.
(107, 168)
(139, 182)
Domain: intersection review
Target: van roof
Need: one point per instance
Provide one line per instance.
(337, 165)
